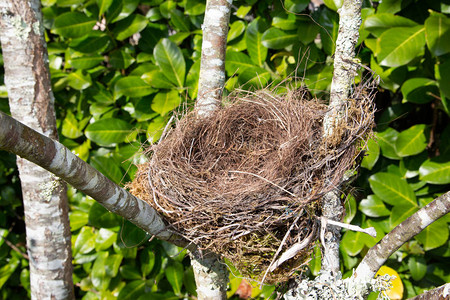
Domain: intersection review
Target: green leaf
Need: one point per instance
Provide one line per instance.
(147, 259)
(285, 22)
(73, 24)
(373, 207)
(350, 208)
(121, 59)
(411, 141)
(95, 42)
(275, 38)
(79, 80)
(400, 213)
(295, 6)
(179, 21)
(237, 62)
(70, 126)
(143, 111)
(333, 4)
(78, 219)
(131, 235)
(444, 74)
(372, 155)
(130, 272)
(398, 46)
(253, 38)
(155, 129)
(255, 76)
(107, 167)
(352, 242)
(434, 235)
(435, 172)
(194, 7)
(132, 290)
(392, 189)
(329, 21)
(132, 86)
(171, 60)
(417, 266)
(127, 27)
(174, 274)
(86, 62)
(157, 80)
(103, 5)
(107, 132)
(98, 274)
(419, 90)
(387, 140)
(7, 270)
(307, 32)
(165, 102)
(189, 281)
(379, 23)
(121, 9)
(104, 239)
(437, 33)
(236, 29)
(192, 79)
(85, 241)
(112, 265)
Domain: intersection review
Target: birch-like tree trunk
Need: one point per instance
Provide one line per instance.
(31, 101)
(343, 78)
(211, 273)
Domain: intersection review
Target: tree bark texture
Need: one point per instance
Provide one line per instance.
(54, 157)
(31, 101)
(343, 77)
(378, 254)
(212, 65)
(439, 293)
(211, 273)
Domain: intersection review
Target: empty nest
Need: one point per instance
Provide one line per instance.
(246, 182)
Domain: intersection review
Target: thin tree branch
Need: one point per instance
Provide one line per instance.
(378, 254)
(57, 159)
(439, 293)
(343, 77)
(211, 273)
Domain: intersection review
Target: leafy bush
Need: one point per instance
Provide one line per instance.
(117, 84)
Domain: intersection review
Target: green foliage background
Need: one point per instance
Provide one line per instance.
(120, 67)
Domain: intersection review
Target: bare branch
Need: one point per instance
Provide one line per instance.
(212, 69)
(54, 157)
(409, 228)
(439, 293)
(343, 76)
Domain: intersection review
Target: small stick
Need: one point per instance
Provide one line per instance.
(370, 231)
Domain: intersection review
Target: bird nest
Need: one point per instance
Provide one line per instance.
(246, 182)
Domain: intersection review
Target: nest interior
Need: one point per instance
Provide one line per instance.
(246, 181)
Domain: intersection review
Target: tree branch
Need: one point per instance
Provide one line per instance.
(343, 77)
(57, 159)
(211, 273)
(439, 293)
(378, 254)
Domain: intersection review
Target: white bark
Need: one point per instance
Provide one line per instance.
(212, 66)
(378, 254)
(343, 77)
(31, 100)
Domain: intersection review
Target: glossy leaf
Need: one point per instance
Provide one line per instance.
(434, 235)
(329, 21)
(392, 189)
(174, 274)
(171, 60)
(73, 24)
(444, 74)
(71, 127)
(387, 140)
(78, 219)
(333, 4)
(295, 6)
(275, 38)
(108, 132)
(419, 90)
(131, 235)
(155, 129)
(103, 5)
(98, 278)
(85, 241)
(418, 267)
(350, 208)
(411, 141)
(398, 46)
(102, 218)
(236, 29)
(86, 62)
(79, 80)
(194, 7)
(237, 62)
(107, 167)
(400, 213)
(132, 86)
(7, 270)
(352, 242)
(179, 21)
(157, 80)
(253, 36)
(433, 171)
(127, 27)
(372, 154)
(437, 29)
(104, 239)
(165, 102)
(372, 206)
(94, 43)
(132, 290)
(380, 22)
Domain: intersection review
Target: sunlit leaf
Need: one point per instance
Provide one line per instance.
(165, 102)
(437, 29)
(171, 60)
(419, 90)
(411, 141)
(256, 50)
(392, 189)
(174, 274)
(372, 206)
(275, 38)
(129, 26)
(434, 235)
(108, 132)
(386, 140)
(372, 154)
(73, 24)
(132, 86)
(433, 171)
